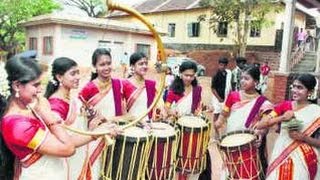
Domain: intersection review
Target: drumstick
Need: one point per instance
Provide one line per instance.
(126, 117)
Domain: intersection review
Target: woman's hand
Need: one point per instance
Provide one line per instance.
(96, 121)
(113, 129)
(260, 133)
(288, 115)
(42, 108)
(219, 123)
(91, 112)
(296, 135)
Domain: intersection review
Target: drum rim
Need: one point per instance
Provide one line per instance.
(237, 132)
(162, 139)
(134, 139)
(195, 129)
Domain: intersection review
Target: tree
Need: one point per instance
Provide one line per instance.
(14, 11)
(242, 14)
(94, 8)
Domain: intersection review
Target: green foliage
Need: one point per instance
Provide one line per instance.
(240, 13)
(14, 11)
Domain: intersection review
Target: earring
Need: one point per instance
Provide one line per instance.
(17, 95)
(60, 83)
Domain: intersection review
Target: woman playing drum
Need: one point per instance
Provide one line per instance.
(104, 94)
(246, 107)
(184, 96)
(139, 92)
(296, 152)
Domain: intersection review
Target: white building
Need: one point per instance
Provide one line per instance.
(58, 34)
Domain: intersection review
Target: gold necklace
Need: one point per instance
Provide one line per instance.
(139, 81)
(65, 95)
(103, 85)
(249, 96)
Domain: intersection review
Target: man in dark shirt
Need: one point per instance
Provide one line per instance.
(220, 86)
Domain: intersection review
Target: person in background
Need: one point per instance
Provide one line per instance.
(220, 86)
(302, 35)
(124, 64)
(168, 82)
(236, 73)
(264, 69)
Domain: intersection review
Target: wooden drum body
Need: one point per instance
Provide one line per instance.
(163, 152)
(193, 143)
(240, 155)
(127, 158)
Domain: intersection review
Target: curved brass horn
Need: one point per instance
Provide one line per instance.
(116, 6)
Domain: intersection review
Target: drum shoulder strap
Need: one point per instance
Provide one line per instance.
(151, 92)
(255, 109)
(196, 98)
(116, 86)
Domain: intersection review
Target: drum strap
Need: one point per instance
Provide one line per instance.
(116, 87)
(255, 110)
(151, 92)
(285, 153)
(196, 97)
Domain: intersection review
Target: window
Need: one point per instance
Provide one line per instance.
(222, 29)
(194, 29)
(255, 30)
(144, 48)
(172, 29)
(33, 43)
(48, 45)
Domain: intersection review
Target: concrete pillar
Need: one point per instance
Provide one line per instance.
(287, 36)
(318, 47)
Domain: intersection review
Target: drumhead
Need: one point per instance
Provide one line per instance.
(191, 122)
(237, 139)
(134, 133)
(162, 130)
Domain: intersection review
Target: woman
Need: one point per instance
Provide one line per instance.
(65, 77)
(244, 108)
(296, 152)
(184, 96)
(139, 92)
(104, 94)
(33, 135)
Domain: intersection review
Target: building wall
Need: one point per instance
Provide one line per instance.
(79, 43)
(207, 36)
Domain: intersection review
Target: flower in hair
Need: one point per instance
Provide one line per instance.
(50, 77)
(4, 84)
